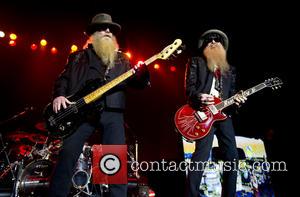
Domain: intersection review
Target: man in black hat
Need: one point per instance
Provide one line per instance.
(209, 75)
(101, 61)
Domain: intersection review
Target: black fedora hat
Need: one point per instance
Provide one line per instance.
(102, 20)
(216, 34)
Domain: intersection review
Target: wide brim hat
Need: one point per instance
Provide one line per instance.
(224, 39)
(100, 21)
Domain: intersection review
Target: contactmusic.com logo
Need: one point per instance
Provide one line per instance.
(109, 164)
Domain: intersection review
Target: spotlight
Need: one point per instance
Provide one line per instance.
(128, 54)
(33, 47)
(13, 36)
(43, 42)
(2, 34)
(12, 43)
(74, 48)
(172, 68)
(156, 66)
(53, 50)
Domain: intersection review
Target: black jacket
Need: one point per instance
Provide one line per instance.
(198, 79)
(76, 75)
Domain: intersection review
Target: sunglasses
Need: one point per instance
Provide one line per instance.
(213, 37)
(103, 28)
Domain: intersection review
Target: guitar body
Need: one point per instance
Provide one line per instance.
(66, 121)
(193, 124)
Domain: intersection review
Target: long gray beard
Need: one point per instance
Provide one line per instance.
(216, 57)
(105, 48)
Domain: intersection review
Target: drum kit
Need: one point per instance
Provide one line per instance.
(28, 158)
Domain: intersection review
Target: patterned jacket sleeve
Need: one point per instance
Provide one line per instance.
(191, 81)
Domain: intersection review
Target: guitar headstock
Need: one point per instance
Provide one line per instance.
(171, 49)
(274, 83)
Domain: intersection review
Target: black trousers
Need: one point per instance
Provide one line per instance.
(226, 139)
(112, 124)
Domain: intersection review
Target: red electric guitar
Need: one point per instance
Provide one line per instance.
(194, 124)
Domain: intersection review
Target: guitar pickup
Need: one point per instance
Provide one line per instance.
(213, 109)
(201, 116)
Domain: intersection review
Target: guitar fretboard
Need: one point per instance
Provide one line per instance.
(100, 91)
(246, 93)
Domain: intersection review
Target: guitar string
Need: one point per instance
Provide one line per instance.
(69, 110)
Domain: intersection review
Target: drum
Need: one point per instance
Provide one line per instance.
(35, 178)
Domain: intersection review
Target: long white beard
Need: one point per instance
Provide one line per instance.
(105, 48)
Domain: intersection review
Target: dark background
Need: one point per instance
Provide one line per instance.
(262, 38)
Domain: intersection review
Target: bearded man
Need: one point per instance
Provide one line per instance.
(100, 61)
(209, 75)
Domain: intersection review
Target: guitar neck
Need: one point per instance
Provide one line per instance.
(246, 93)
(96, 94)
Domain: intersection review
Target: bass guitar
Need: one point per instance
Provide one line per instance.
(196, 124)
(66, 121)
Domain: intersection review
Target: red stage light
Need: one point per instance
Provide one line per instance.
(172, 68)
(33, 47)
(156, 66)
(12, 43)
(53, 50)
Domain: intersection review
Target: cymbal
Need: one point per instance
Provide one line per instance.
(20, 136)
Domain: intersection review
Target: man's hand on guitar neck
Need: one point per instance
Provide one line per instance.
(60, 101)
(239, 98)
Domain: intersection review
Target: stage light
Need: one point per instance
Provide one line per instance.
(128, 55)
(156, 66)
(74, 48)
(53, 50)
(33, 47)
(2, 34)
(13, 36)
(43, 42)
(12, 43)
(172, 68)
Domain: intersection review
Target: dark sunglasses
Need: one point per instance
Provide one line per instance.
(213, 37)
(103, 28)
